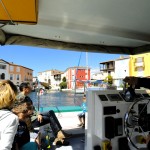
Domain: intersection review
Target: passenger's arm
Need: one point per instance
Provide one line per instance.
(144, 82)
(40, 118)
(137, 82)
(7, 137)
(34, 115)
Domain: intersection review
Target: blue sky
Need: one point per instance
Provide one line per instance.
(42, 59)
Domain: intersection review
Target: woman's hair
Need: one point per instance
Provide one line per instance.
(24, 85)
(22, 99)
(21, 108)
(22, 105)
(8, 92)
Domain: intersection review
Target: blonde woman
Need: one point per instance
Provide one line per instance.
(8, 120)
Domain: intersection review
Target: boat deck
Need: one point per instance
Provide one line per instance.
(69, 122)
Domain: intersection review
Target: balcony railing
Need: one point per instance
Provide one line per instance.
(107, 69)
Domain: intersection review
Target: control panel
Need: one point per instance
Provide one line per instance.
(106, 112)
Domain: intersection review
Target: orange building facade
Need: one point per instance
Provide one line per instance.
(77, 77)
(16, 73)
(19, 74)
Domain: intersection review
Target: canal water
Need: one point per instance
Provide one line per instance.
(56, 98)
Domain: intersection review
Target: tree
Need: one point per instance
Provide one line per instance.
(64, 79)
(109, 79)
(63, 84)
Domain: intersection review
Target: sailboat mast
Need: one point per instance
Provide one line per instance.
(87, 70)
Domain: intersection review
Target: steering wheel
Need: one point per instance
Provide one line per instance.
(137, 120)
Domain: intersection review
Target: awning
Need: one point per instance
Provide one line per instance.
(23, 11)
(97, 81)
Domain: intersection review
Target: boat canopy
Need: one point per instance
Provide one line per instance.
(116, 27)
(16, 11)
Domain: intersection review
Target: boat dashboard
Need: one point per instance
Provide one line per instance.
(118, 119)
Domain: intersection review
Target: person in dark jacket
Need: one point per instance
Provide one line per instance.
(22, 137)
(44, 118)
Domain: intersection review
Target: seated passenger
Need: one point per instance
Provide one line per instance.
(44, 118)
(22, 137)
(81, 115)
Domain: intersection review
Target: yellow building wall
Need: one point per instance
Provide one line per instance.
(139, 65)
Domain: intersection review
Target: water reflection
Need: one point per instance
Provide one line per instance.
(57, 98)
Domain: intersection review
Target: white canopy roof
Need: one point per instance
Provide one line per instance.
(108, 26)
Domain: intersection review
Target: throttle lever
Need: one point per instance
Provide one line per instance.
(128, 92)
